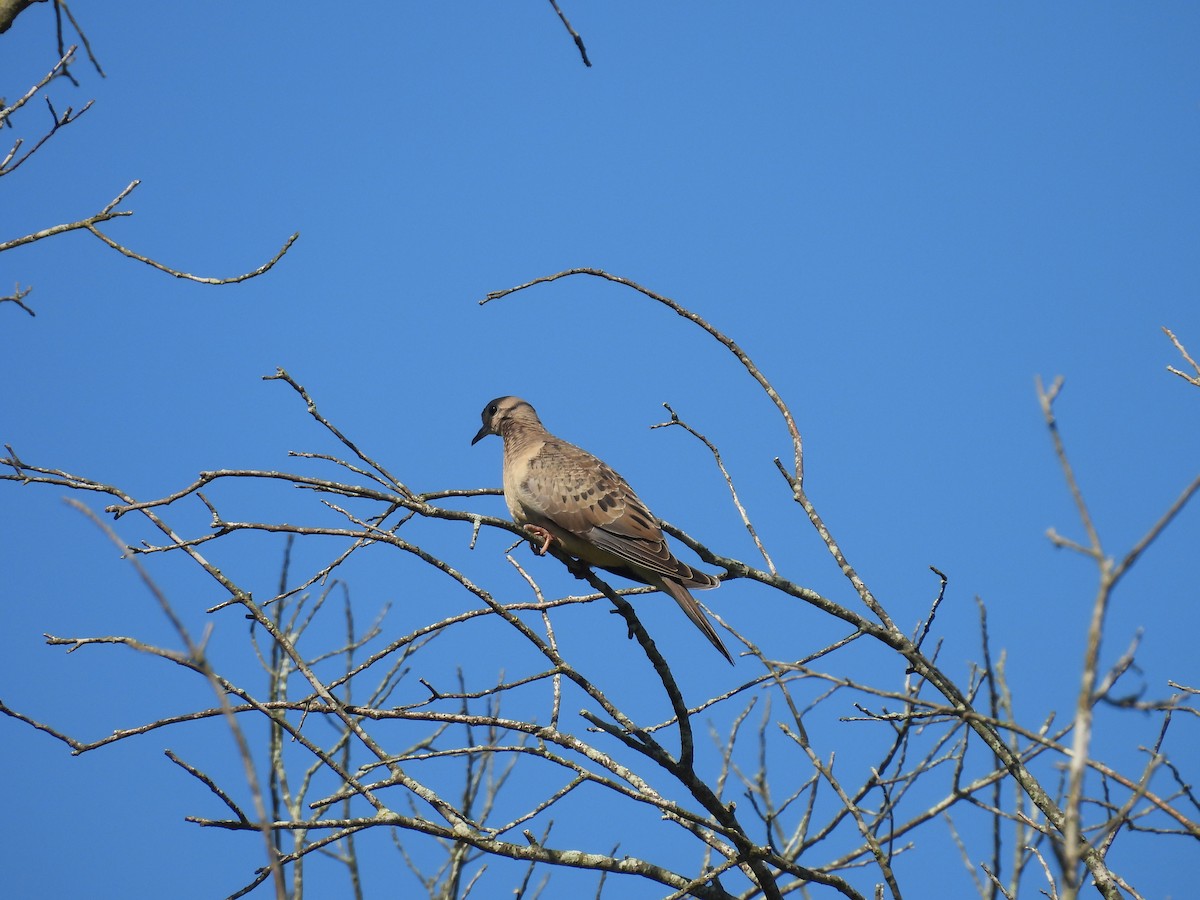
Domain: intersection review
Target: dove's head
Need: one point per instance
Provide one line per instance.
(505, 413)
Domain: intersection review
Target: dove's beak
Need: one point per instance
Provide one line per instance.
(481, 434)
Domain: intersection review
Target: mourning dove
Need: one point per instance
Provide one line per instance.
(561, 493)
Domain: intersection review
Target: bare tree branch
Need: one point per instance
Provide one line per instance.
(13, 159)
(111, 212)
(574, 34)
(7, 164)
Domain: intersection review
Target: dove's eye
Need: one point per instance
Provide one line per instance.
(493, 409)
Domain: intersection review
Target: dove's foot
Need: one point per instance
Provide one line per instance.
(537, 531)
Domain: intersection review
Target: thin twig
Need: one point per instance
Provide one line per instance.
(574, 34)
(1191, 379)
(675, 420)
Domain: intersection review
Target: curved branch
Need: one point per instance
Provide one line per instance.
(111, 212)
(199, 279)
(730, 344)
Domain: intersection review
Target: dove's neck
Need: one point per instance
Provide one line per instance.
(520, 437)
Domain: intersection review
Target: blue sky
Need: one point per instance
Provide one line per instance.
(904, 213)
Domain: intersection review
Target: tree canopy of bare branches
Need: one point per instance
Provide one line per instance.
(491, 786)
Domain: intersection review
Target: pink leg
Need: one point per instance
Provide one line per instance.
(543, 535)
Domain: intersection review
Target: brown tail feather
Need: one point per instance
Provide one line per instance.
(694, 578)
(689, 605)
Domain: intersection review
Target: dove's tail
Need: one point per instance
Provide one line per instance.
(689, 605)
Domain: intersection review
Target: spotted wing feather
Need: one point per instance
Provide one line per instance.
(583, 496)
